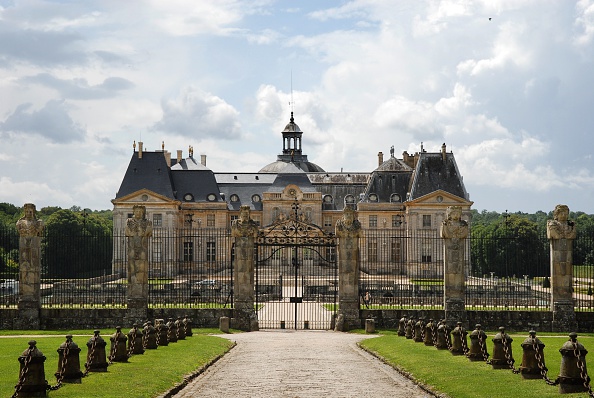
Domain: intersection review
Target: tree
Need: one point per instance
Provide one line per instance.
(76, 245)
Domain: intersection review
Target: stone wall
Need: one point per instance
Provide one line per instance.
(60, 318)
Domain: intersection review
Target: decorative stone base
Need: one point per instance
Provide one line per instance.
(564, 319)
(455, 311)
(244, 316)
(137, 312)
(348, 316)
(27, 319)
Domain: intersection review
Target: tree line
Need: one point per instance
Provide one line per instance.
(515, 244)
(76, 241)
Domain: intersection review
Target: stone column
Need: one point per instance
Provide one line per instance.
(561, 232)
(29, 304)
(138, 230)
(348, 231)
(244, 230)
(454, 232)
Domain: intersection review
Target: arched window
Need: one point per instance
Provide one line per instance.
(395, 198)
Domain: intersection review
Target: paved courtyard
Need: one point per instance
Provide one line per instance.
(294, 364)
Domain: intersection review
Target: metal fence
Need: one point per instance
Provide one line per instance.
(193, 268)
(188, 269)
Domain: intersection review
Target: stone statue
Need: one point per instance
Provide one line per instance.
(561, 233)
(28, 225)
(348, 225)
(30, 229)
(244, 226)
(560, 227)
(453, 227)
(138, 230)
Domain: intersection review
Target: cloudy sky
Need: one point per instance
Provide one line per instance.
(508, 85)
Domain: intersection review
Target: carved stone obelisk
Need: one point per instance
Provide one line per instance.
(244, 230)
(348, 231)
(29, 304)
(561, 232)
(138, 230)
(454, 232)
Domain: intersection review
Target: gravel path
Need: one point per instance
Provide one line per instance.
(299, 364)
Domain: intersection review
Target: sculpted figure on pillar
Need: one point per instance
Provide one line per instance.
(28, 225)
(560, 227)
(30, 229)
(138, 230)
(244, 226)
(453, 227)
(348, 226)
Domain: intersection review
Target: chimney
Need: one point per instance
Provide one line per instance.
(406, 159)
(179, 156)
(443, 151)
(203, 160)
(168, 158)
(380, 158)
(139, 149)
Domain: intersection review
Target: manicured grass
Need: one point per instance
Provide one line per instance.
(143, 376)
(457, 377)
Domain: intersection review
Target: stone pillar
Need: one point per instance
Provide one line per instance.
(244, 230)
(29, 304)
(138, 230)
(454, 232)
(348, 231)
(561, 232)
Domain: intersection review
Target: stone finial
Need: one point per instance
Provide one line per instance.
(348, 225)
(560, 227)
(28, 225)
(244, 226)
(453, 227)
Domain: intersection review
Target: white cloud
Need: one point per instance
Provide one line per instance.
(198, 113)
(584, 22)
(22, 192)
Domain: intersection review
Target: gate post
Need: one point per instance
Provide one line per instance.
(244, 230)
(454, 232)
(561, 232)
(348, 231)
(138, 230)
(29, 304)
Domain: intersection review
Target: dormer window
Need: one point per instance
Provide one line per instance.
(328, 199)
(395, 198)
(234, 198)
(256, 198)
(349, 199)
(373, 197)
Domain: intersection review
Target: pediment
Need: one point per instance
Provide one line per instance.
(440, 198)
(143, 196)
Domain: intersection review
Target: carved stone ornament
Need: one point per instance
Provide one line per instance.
(29, 226)
(560, 227)
(453, 227)
(348, 226)
(244, 226)
(138, 229)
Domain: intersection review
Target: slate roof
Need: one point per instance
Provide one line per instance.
(149, 172)
(432, 172)
(198, 183)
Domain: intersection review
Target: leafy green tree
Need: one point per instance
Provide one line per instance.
(76, 245)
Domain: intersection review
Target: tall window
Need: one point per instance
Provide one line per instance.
(396, 251)
(211, 251)
(426, 220)
(275, 214)
(426, 249)
(233, 218)
(157, 250)
(373, 221)
(396, 221)
(372, 250)
(308, 214)
(327, 221)
(157, 220)
(210, 220)
(188, 251)
(256, 220)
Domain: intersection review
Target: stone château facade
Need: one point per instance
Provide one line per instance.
(407, 196)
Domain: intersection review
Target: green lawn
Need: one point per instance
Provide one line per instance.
(143, 376)
(457, 377)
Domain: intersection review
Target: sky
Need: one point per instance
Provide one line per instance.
(507, 85)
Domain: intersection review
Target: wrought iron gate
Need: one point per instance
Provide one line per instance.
(296, 276)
